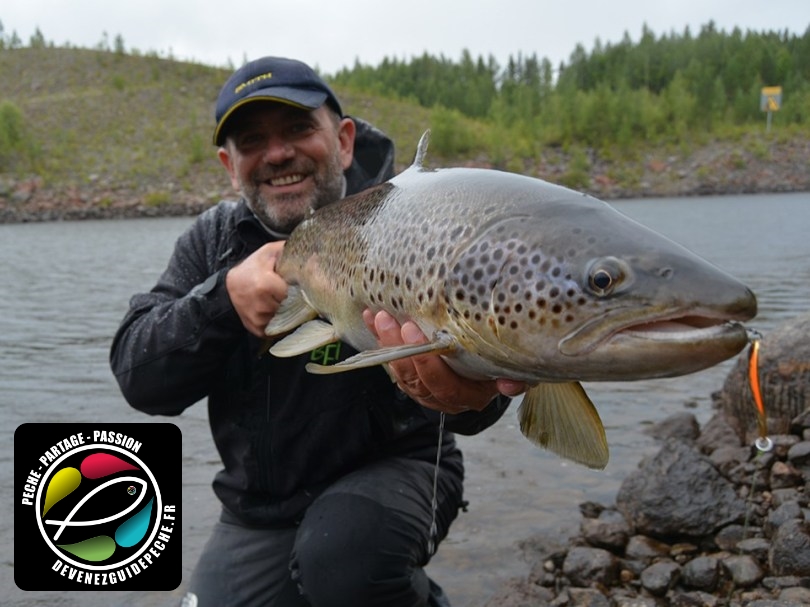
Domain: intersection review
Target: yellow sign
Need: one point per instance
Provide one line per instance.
(771, 98)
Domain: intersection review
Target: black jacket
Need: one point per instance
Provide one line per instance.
(282, 433)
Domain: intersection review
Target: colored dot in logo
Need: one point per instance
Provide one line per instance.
(131, 490)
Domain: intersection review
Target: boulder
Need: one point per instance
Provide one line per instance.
(678, 493)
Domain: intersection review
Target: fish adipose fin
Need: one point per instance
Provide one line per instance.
(308, 337)
(442, 343)
(293, 312)
(562, 419)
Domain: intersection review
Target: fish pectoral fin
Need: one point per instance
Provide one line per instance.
(562, 419)
(293, 312)
(442, 343)
(309, 336)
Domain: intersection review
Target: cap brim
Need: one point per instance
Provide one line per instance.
(301, 98)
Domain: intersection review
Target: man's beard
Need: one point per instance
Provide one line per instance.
(284, 212)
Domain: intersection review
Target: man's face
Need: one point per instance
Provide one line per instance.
(287, 161)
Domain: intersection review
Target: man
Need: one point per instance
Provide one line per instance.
(328, 481)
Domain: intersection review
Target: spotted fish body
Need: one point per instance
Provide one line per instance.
(511, 277)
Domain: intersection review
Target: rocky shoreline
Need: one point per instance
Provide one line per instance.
(750, 165)
(712, 520)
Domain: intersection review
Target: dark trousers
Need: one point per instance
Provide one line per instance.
(364, 541)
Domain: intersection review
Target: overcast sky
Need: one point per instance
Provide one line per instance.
(331, 34)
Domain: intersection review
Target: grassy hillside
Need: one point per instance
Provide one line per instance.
(88, 133)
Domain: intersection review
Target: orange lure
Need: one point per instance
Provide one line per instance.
(753, 380)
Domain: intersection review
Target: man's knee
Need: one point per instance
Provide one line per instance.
(352, 550)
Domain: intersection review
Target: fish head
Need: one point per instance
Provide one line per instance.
(581, 292)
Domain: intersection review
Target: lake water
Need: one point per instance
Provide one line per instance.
(65, 288)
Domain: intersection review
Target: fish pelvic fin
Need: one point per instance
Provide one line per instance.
(421, 150)
(308, 337)
(293, 312)
(442, 343)
(562, 419)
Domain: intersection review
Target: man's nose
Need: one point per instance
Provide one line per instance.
(278, 150)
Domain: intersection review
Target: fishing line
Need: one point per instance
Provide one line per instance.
(434, 502)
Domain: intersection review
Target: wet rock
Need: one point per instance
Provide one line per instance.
(785, 476)
(744, 570)
(658, 578)
(683, 552)
(800, 596)
(757, 547)
(591, 509)
(781, 496)
(586, 566)
(782, 514)
(790, 550)
(787, 581)
(609, 531)
(783, 443)
(678, 492)
(680, 426)
(726, 459)
(635, 602)
(701, 573)
(693, 599)
(799, 454)
(643, 548)
(718, 433)
(728, 537)
(586, 597)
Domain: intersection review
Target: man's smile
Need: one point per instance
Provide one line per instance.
(286, 180)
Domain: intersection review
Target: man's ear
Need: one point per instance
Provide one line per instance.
(346, 133)
(225, 158)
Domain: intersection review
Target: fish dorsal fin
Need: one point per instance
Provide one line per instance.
(421, 150)
(309, 336)
(442, 343)
(562, 419)
(293, 312)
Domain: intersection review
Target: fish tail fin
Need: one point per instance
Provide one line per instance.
(562, 419)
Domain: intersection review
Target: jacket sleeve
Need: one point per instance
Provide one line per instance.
(174, 339)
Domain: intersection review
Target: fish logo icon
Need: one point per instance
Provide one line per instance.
(99, 507)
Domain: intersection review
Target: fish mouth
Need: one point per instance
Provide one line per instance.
(668, 346)
(686, 329)
(671, 330)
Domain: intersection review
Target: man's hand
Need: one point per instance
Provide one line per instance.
(427, 378)
(256, 291)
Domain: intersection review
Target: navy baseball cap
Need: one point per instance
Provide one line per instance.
(272, 79)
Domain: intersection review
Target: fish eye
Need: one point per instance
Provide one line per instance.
(606, 275)
(601, 280)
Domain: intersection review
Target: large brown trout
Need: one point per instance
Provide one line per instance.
(509, 276)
